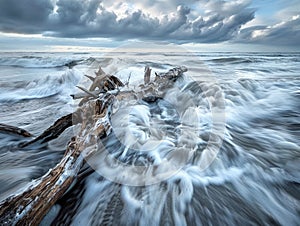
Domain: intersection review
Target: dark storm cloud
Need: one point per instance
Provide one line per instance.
(203, 21)
(93, 20)
(90, 19)
(215, 28)
(25, 16)
(76, 11)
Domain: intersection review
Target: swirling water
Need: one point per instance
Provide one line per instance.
(243, 172)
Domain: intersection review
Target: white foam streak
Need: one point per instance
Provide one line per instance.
(45, 87)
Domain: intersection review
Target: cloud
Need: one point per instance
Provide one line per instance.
(177, 26)
(288, 9)
(283, 33)
(24, 16)
(180, 21)
(76, 12)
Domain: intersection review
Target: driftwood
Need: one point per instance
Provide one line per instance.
(14, 130)
(147, 75)
(53, 131)
(30, 205)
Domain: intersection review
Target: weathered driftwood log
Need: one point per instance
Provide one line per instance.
(53, 131)
(14, 130)
(30, 205)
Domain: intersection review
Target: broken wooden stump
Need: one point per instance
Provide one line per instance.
(29, 206)
(147, 75)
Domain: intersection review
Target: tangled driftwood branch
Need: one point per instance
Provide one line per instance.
(32, 204)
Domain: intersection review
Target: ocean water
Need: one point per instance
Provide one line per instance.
(231, 125)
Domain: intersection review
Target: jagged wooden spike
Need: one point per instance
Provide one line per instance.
(79, 95)
(90, 77)
(98, 82)
(147, 75)
(103, 83)
(100, 72)
(83, 95)
(87, 91)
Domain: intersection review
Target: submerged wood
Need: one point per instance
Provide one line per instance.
(14, 130)
(30, 205)
(53, 131)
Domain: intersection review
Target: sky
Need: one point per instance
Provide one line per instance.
(208, 25)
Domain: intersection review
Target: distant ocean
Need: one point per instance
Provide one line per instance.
(254, 179)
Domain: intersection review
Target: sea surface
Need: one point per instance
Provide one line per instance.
(236, 115)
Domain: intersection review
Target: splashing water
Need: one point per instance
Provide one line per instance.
(253, 178)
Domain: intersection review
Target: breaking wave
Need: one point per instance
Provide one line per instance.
(43, 61)
(44, 87)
